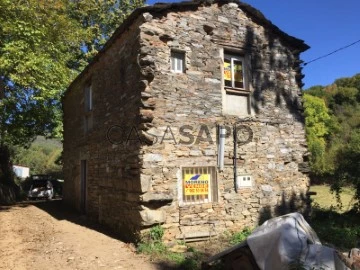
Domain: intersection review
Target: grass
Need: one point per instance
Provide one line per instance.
(335, 225)
(153, 245)
(160, 252)
(239, 237)
(339, 230)
(327, 200)
(190, 260)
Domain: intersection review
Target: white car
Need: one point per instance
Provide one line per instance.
(41, 189)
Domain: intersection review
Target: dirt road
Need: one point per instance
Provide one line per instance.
(43, 235)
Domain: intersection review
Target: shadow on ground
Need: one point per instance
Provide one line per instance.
(60, 211)
(7, 208)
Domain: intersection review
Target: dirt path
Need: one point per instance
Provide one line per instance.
(40, 236)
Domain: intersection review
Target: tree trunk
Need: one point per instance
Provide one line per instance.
(7, 182)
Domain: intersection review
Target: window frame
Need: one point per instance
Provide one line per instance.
(177, 57)
(213, 190)
(229, 91)
(89, 98)
(235, 57)
(88, 108)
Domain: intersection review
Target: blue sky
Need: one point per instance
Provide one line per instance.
(325, 25)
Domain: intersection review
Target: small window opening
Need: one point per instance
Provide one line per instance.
(178, 62)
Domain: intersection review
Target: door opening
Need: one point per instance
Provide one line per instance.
(83, 179)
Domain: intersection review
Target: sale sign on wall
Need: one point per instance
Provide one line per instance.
(196, 184)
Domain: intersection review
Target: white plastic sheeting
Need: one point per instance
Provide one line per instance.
(283, 241)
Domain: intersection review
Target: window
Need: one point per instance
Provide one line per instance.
(178, 62)
(234, 71)
(236, 97)
(88, 122)
(199, 185)
(88, 99)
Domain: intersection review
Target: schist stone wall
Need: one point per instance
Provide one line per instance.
(149, 123)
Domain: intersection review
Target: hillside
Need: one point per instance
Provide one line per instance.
(43, 156)
(333, 132)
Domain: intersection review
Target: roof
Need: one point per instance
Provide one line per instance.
(255, 14)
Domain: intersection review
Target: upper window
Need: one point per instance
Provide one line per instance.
(234, 71)
(88, 99)
(199, 185)
(178, 62)
(236, 97)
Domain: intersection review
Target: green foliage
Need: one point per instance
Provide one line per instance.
(348, 171)
(349, 82)
(43, 47)
(339, 230)
(156, 233)
(152, 248)
(152, 241)
(334, 141)
(38, 40)
(152, 244)
(190, 263)
(100, 18)
(317, 115)
(326, 198)
(317, 121)
(40, 157)
(240, 236)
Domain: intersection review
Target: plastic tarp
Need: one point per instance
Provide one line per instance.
(289, 240)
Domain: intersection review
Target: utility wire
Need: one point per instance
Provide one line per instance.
(326, 55)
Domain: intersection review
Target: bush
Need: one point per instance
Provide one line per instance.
(152, 241)
(152, 244)
(240, 236)
(156, 233)
(339, 230)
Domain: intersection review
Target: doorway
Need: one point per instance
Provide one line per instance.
(83, 181)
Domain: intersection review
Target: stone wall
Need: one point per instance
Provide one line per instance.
(113, 179)
(277, 151)
(136, 147)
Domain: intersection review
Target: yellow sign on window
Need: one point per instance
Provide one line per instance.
(196, 184)
(238, 71)
(227, 71)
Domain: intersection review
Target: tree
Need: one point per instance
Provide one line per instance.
(100, 18)
(339, 159)
(44, 44)
(316, 125)
(38, 40)
(348, 170)
(41, 156)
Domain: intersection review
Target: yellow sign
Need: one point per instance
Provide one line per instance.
(196, 184)
(238, 73)
(227, 71)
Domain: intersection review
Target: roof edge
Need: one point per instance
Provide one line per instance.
(258, 17)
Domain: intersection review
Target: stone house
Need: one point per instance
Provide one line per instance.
(189, 117)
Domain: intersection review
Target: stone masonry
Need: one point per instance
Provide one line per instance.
(136, 146)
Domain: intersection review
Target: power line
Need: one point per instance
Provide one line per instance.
(326, 55)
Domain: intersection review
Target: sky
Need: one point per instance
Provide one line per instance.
(325, 25)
